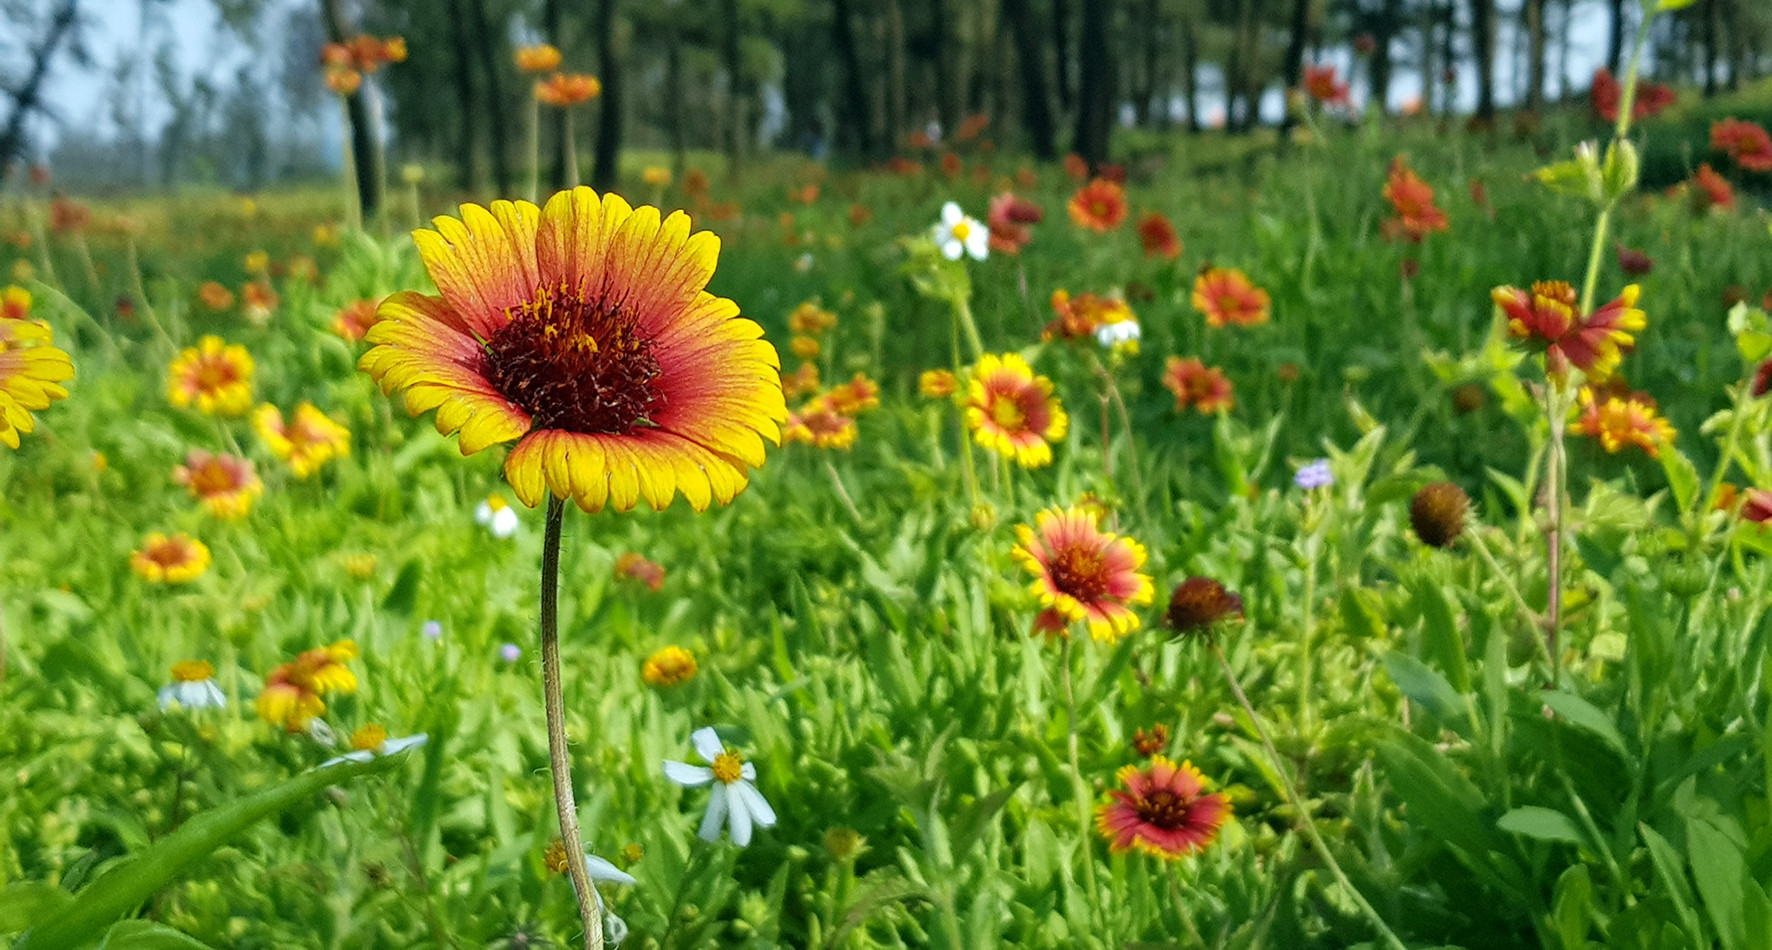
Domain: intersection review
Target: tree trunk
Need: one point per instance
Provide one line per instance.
(559, 120)
(1241, 107)
(675, 127)
(897, 111)
(1095, 97)
(1710, 12)
(735, 119)
(464, 95)
(1384, 30)
(1483, 48)
(1534, 13)
(366, 154)
(1615, 38)
(947, 92)
(1036, 101)
(1190, 67)
(853, 128)
(491, 46)
(1145, 98)
(12, 138)
(1295, 41)
(1061, 42)
(605, 169)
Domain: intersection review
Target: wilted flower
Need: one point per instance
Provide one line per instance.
(1226, 295)
(1150, 743)
(1163, 811)
(668, 666)
(1012, 411)
(1437, 513)
(1207, 389)
(1099, 206)
(1082, 573)
(1199, 603)
(958, 234)
(1633, 262)
(734, 798)
(192, 687)
(1009, 218)
(175, 559)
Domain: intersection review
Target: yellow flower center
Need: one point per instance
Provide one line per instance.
(1006, 413)
(728, 768)
(369, 738)
(192, 671)
(496, 503)
(961, 230)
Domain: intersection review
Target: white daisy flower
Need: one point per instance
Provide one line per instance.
(371, 741)
(1114, 335)
(497, 516)
(192, 687)
(959, 233)
(734, 798)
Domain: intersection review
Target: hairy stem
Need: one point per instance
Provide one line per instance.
(559, 758)
(1080, 788)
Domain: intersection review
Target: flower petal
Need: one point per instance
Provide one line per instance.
(716, 815)
(707, 743)
(686, 775)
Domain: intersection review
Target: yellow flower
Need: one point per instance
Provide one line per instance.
(1618, 422)
(170, 560)
(31, 368)
(214, 376)
(310, 440)
(226, 485)
(656, 175)
(360, 566)
(1083, 573)
(258, 262)
(1012, 412)
(583, 332)
(937, 383)
(668, 667)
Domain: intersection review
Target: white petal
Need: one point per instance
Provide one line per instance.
(403, 743)
(483, 514)
(213, 697)
(710, 822)
(707, 743)
(504, 523)
(741, 814)
(601, 870)
(951, 214)
(952, 249)
(978, 241)
(686, 775)
(748, 772)
(361, 755)
(754, 803)
(168, 696)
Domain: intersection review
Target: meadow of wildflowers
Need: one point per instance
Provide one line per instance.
(1367, 545)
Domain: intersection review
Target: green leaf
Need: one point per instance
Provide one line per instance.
(126, 884)
(1682, 477)
(1721, 872)
(148, 935)
(1543, 824)
(1572, 906)
(1428, 688)
(1584, 715)
(1441, 642)
(1670, 870)
(23, 902)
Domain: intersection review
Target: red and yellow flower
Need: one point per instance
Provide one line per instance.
(937, 383)
(1206, 388)
(1413, 201)
(308, 440)
(1225, 295)
(1322, 85)
(1162, 810)
(1746, 142)
(214, 376)
(1547, 318)
(226, 485)
(1157, 233)
(257, 301)
(856, 396)
(668, 666)
(1008, 218)
(540, 58)
(353, 320)
(1082, 573)
(1012, 411)
(32, 367)
(583, 331)
(1618, 421)
(567, 89)
(293, 691)
(1077, 318)
(820, 425)
(174, 559)
(632, 565)
(1713, 190)
(214, 296)
(1099, 206)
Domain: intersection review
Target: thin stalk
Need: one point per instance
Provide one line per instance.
(1308, 627)
(1187, 920)
(559, 758)
(1080, 788)
(1138, 491)
(1708, 500)
(842, 492)
(963, 314)
(961, 379)
(534, 148)
(353, 200)
(1389, 938)
(1531, 616)
(1556, 410)
(571, 181)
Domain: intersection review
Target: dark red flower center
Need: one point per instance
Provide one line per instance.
(1163, 809)
(575, 364)
(1079, 572)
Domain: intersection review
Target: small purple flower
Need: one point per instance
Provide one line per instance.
(432, 630)
(1313, 476)
(511, 652)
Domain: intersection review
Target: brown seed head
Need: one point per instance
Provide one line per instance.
(1437, 513)
(1200, 602)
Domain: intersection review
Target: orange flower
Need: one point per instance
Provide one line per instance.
(657, 176)
(1012, 412)
(856, 396)
(215, 296)
(1078, 318)
(695, 182)
(635, 566)
(1618, 422)
(938, 383)
(568, 89)
(1226, 295)
(805, 347)
(806, 195)
(1413, 200)
(810, 318)
(1546, 318)
(1099, 206)
(540, 58)
(951, 165)
(1746, 142)
(860, 214)
(801, 381)
(308, 441)
(1158, 236)
(583, 331)
(1076, 167)
(1194, 383)
(345, 82)
(1606, 93)
(214, 376)
(1082, 573)
(820, 425)
(177, 559)
(668, 666)
(67, 216)
(354, 319)
(225, 484)
(1713, 189)
(1320, 82)
(1163, 811)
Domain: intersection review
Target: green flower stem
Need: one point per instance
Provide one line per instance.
(559, 760)
(1080, 788)
(534, 149)
(1731, 442)
(842, 492)
(963, 318)
(1556, 410)
(1290, 792)
(1187, 920)
(1313, 548)
(1482, 548)
(963, 314)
